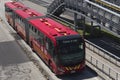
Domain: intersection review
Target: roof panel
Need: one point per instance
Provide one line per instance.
(27, 13)
(14, 5)
(51, 27)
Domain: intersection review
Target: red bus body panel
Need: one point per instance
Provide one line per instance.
(13, 6)
(24, 14)
(52, 28)
(27, 13)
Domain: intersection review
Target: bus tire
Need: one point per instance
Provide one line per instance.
(49, 63)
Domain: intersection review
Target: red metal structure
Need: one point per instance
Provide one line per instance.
(60, 47)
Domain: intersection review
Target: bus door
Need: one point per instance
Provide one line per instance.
(51, 56)
(38, 42)
(20, 26)
(44, 49)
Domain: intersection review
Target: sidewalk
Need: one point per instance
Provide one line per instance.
(14, 63)
(36, 7)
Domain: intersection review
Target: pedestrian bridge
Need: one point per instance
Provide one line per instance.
(104, 17)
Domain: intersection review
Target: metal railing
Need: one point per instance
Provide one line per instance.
(102, 69)
(56, 7)
(106, 18)
(103, 53)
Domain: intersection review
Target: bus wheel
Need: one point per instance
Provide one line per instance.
(16, 30)
(31, 45)
(50, 65)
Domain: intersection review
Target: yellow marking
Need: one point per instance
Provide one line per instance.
(47, 23)
(65, 34)
(57, 29)
(108, 5)
(66, 68)
(78, 66)
(70, 68)
(75, 67)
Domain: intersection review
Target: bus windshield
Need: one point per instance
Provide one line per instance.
(71, 52)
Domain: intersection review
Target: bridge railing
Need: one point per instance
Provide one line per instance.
(103, 53)
(103, 70)
(56, 5)
(106, 18)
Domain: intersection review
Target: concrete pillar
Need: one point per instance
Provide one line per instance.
(84, 27)
(92, 28)
(27, 31)
(75, 21)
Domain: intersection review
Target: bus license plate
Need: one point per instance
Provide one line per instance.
(72, 71)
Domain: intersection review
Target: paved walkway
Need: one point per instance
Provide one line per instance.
(14, 63)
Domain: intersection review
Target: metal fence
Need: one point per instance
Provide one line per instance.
(103, 53)
(103, 70)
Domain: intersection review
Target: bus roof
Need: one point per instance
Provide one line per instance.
(27, 13)
(14, 5)
(52, 28)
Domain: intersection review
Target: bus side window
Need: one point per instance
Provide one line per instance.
(49, 46)
(30, 29)
(37, 36)
(41, 38)
(16, 18)
(7, 9)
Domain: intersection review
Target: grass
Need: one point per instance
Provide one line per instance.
(103, 33)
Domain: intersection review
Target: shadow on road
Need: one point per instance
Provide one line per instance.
(11, 53)
(86, 74)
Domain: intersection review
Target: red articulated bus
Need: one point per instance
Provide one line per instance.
(9, 8)
(21, 16)
(60, 47)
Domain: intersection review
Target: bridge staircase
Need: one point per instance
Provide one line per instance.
(56, 7)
